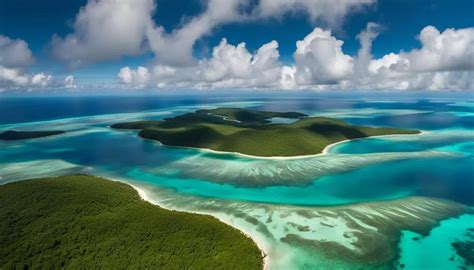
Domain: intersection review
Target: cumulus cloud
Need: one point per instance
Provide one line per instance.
(19, 79)
(320, 63)
(109, 29)
(41, 79)
(233, 65)
(15, 57)
(391, 61)
(319, 59)
(105, 30)
(444, 61)
(12, 76)
(451, 50)
(175, 48)
(139, 77)
(318, 10)
(69, 82)
(229, 66)
(364, 55)
(447, 80)
(14, 53)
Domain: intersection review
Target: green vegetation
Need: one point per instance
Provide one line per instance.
(250, 132)
(11, 135)
(84, 222)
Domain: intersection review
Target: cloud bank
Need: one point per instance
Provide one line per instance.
(15, 58)
(108, 30)
(444, 61)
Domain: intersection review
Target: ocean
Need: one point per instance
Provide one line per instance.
(351, 189)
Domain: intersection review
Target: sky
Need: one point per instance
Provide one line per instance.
(163, 45)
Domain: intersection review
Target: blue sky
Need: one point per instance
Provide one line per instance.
(400, 22)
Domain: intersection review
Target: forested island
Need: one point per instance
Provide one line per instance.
(11, 135)
(252, 132)
(85, 222)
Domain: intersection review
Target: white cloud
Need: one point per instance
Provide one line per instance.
(235, 66)
(109, 29)
(69, 82)
(319, 63)
(229, 66)
(319, 59)
(386, 63)
(328, 11)
(446, 80)
(41, 79)
(444, 61)
(15, 57)
(451, 50)
(227, 61)
(139, 77)
(14, 53)
(364, 55)
(105, 30)
(12, 76)
(175, 48)
(16, 78)
(235, 63)
(287, 78)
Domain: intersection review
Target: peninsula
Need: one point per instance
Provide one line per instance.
(252, 132)
(84, 222)
(12, 135)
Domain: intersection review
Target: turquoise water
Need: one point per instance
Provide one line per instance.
(437, 163)
(389, 166)
(282, 120)
(435, 251)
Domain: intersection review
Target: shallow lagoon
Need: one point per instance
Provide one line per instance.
(420, 252)
(437, 163)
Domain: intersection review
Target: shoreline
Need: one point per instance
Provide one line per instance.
(266, 259)
(143, 195)
(323, 152)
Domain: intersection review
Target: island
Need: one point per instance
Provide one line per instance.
(86, 222)
(12, 135)
(252, 132)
